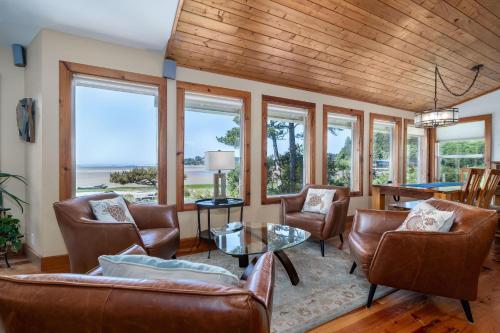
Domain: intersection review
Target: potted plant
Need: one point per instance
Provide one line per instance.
(10, 233)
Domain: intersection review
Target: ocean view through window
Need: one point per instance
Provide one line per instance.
(116, 138)
(210, 123)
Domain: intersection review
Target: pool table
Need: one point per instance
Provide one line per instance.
(441, 190)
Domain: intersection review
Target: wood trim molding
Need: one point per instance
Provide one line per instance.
(488, 119)
(51, 264)
(406, 123)
(360, 115)
(396, 147)
(66, 122)
(182, 87)
(310, 141)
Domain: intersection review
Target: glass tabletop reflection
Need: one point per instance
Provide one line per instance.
(260, 239)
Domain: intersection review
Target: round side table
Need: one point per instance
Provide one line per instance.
(209, 204)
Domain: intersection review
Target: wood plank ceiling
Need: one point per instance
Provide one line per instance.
(379, 51)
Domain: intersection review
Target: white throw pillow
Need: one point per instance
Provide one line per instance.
(146, 267)
(111, 210)
(318, 200)
(425, 217)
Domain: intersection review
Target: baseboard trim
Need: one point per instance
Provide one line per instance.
(55, 264)
(51, 264)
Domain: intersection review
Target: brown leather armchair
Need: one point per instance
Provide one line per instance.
(156, 229)
(320, 226)
(61, 303)
(438, 263)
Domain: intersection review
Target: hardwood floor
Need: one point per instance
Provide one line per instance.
(401, 311)
(405, 311)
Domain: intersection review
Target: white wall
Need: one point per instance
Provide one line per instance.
(43, 157)
(486, 104)
(11, 147)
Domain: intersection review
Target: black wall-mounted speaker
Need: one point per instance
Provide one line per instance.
(19, 55)
(169, 69)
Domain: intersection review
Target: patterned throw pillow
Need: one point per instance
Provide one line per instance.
(318, 200)
(111, 210)
(425, 217)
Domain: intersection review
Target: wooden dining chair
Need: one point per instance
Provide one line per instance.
(470, 189)
(488, 189)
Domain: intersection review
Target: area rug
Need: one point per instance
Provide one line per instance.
(326, 289)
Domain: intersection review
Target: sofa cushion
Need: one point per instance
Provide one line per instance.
(146, 267)
(425, 217)
(111, 210)
(318, 200)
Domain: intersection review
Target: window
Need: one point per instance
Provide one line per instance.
(209, 119)
(466, 144)
(384, 149)
(287, 147)
(110, 134)
(343, 148)
(415, 153)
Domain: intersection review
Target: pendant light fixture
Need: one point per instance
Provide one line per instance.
(440, 117)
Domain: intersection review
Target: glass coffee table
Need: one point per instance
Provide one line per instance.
(253, 240)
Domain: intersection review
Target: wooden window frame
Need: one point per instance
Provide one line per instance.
(182, 87)
(487, 118)
(66, 122)
(310, 140)
(360, 116)
(410, 122)
(397, 147)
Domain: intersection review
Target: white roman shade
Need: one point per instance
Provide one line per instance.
(286, 113)
(464, 131)
(196, 102)
(116, 85)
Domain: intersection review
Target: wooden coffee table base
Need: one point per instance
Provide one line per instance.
(282, 257)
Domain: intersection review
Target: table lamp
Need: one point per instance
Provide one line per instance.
(219, 160)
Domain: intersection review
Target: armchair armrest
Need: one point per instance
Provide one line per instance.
(336, 218)
(261, 280)
(150, 216)
(377, 221)
(292, 203)
(438, 263)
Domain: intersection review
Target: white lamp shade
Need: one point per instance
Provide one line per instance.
(219, 160)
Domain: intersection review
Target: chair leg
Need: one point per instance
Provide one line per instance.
(371, 293)
(353, 267)
(467, 310)
(322, 245)
(341, 238)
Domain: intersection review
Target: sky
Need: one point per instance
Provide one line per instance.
(115, 128)
(336, 142)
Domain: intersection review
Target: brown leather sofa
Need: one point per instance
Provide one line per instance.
(156, 229)
(62, 303)
(438, 263)
(320, 226)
